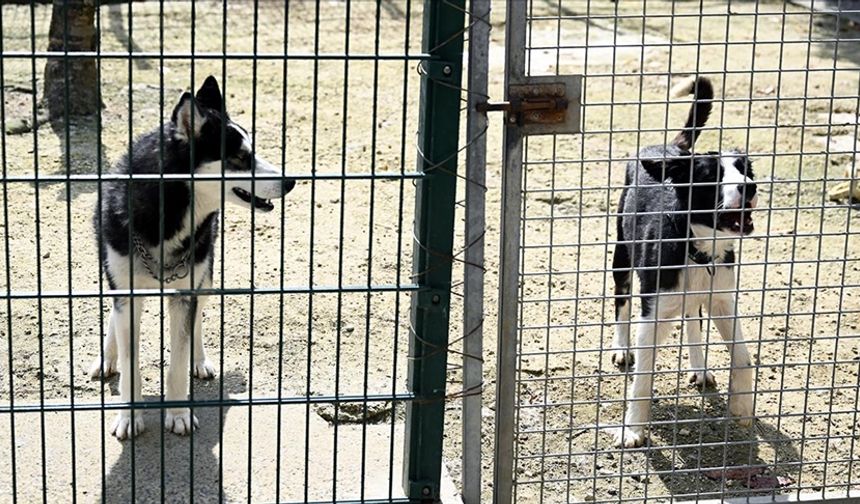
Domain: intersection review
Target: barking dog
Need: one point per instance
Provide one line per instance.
(678, 216)
(142, 221)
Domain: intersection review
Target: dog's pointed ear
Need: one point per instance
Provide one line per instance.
(209, 94)
(662, 168)
(187, 117)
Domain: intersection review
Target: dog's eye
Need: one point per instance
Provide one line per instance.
(241, 162)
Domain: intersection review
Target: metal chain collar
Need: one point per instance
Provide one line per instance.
(179, 270)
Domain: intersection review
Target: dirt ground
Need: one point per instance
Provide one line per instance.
(798, 277)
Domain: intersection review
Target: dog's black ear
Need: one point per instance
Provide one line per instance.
(187, 117)
(675, 168)
(209, 94)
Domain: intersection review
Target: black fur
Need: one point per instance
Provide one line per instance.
(665, 193)
(703, 94)
(157, 207)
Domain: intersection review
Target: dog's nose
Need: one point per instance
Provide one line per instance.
(288, 185)
(749, 192)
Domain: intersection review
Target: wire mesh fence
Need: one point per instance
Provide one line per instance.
(297, 387)
(785, 80)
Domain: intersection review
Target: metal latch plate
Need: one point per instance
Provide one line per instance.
(554, 91)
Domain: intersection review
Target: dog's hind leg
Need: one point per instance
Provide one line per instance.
(741, 377)
(104, 365)
(621, 273)
(699, 375)
(183, 312)
(125, 319)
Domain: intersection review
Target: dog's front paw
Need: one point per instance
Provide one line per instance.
(741, 406)
(103, 368)
(126, 427)
(703, 379)
(204, 369)
(180, 421)
(629, 437)
(622, 358)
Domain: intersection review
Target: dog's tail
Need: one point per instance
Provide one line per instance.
(703, 95)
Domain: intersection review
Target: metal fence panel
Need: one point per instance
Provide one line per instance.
(326, 387)
(786, 93)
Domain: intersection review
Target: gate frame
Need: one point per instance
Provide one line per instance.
(435, 202)
(509, 263)
(510, 249)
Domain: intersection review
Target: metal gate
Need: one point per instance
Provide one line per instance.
(786, 93)
(328, 311)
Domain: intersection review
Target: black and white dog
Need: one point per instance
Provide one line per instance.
(142, 221)
(679, 215)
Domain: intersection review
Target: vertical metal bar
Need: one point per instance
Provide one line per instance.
(342, 225)
(99, 244)
(68, 155)
(7, 256)
(473, 282)
(309, 363)
(255, 38)
(438, 136)
(509, 266)
(38, 221)
(372, 212)
(395, 351)
(282, 244)
(222, 227)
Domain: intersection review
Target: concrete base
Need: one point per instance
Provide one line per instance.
(238, 462)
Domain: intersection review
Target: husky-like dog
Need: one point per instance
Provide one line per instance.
(678, 216)
(160, 214)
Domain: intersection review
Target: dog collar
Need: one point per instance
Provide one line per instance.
(700, 257)
(178, 270)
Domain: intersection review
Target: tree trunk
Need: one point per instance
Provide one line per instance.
(73, 29)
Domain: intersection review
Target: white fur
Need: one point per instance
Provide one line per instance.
(732, 179)
(715, 295)
(683, 88)
(121, 348)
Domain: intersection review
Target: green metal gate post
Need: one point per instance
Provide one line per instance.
(434, 237)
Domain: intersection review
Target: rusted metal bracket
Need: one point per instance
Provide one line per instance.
(542, 105)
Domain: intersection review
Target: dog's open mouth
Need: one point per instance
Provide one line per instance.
(258, 203)
(737, 221)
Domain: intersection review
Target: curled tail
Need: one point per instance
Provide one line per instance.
(703, 94)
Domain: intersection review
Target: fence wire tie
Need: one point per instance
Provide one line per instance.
(438, 166)
(446, 348)
(452, 258)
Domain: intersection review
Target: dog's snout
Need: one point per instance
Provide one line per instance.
(288, 185)
(749, 192)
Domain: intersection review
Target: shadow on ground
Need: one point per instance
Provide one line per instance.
(697, 453)
(170, 468)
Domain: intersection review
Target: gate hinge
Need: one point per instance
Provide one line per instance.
(541, 105)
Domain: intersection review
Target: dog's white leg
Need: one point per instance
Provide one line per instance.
(104, 365)
(203, 368)
(621, 273)
(621, 355)
(633, 434)
(741, 378)
(699, 375)
(182, 313)
(126, 326)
